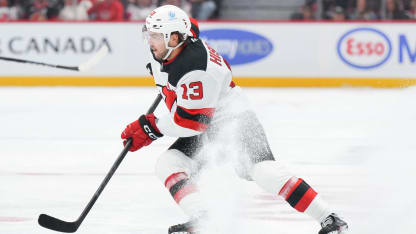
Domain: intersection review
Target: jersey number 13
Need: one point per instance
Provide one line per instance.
(195, 91)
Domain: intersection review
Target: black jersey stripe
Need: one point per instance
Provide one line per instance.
(200, 118)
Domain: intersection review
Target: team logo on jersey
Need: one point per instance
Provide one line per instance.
(238, 47)
(169, 96)
(364, 48)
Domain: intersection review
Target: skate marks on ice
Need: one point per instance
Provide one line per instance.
(355, 146)
(14, 219)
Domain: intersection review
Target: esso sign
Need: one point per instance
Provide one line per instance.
(364, 48)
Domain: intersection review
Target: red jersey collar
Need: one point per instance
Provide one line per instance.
(166, 62)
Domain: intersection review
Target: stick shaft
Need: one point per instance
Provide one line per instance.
(115, 166)
(63, 226)
(38, 63)
(94, 60)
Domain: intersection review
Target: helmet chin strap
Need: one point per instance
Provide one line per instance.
(170, 49)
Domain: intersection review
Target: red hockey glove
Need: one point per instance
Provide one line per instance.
(142, 131)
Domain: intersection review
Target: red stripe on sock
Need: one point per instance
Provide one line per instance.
(289, 187)
(175, 178)
(306, 200)
(186, 190)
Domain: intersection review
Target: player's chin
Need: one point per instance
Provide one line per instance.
(157, 55)
(162, 54)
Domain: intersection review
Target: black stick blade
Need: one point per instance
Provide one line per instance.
(58, 225)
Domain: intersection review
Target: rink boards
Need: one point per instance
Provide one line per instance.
(262, 54)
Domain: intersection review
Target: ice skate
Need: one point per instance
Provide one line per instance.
(184, 228)
(333, 225)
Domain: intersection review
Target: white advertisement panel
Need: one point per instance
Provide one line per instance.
(254, 49)
(325, 50)
(72, 44)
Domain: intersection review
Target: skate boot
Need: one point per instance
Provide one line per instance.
(333, 225)
(184, 228)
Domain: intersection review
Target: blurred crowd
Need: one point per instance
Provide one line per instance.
(99, 10)
(121, 10)
(356, 10)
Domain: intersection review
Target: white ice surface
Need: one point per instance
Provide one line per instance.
(356, 147)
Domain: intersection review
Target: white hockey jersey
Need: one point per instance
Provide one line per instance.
(197, 87)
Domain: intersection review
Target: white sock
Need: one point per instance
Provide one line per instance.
(318, 209)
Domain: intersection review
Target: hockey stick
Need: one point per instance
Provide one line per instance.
(83, 67)
(55, 224)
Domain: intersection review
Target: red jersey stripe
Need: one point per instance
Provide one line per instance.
(203, 111)
(191, 124)
(195, 119)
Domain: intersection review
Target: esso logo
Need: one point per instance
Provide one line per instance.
(364, 48)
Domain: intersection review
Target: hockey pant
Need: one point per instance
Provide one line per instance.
(244, 135)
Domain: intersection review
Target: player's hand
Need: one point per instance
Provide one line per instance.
(142, 131)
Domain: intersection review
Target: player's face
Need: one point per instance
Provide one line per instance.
(157, 44)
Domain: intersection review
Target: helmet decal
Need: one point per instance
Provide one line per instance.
(172, 15)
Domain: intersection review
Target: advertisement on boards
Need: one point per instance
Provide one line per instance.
(72, 44)
(301, 52)
(371, 48)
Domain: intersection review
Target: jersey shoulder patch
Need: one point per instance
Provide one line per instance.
(192, 57)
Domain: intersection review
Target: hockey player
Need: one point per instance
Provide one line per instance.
(205, 105)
